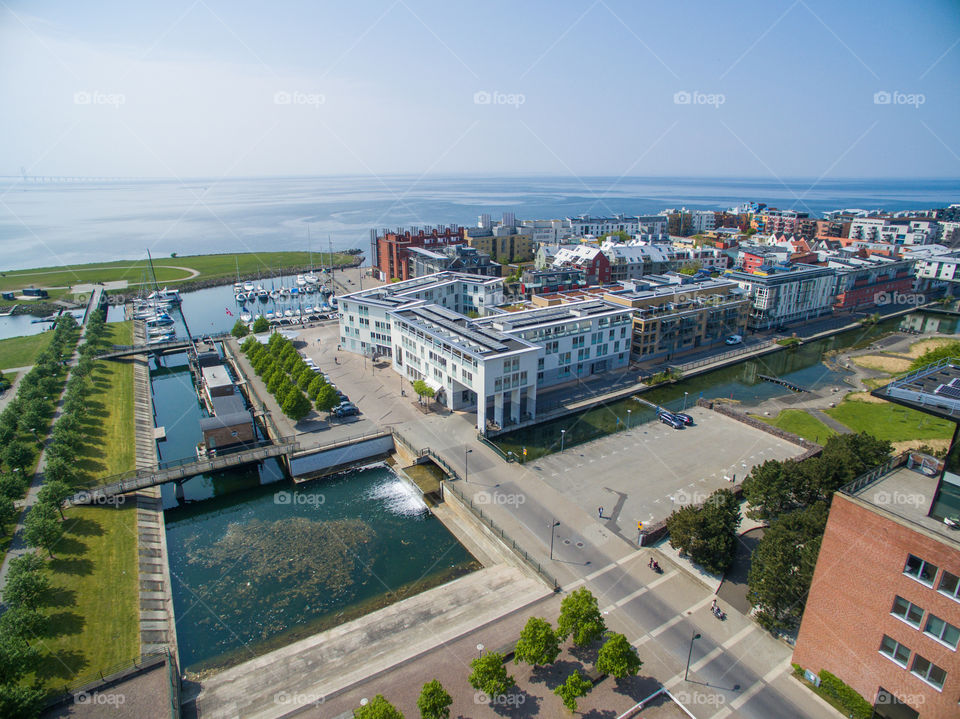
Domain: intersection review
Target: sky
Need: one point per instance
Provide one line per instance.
(204, 88)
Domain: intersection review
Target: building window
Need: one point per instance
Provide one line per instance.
(922, 571)
(928, 671)
(907, 611)
(949, 585)
(895, 651)
(942, 631)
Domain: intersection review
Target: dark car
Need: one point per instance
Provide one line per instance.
(343, 397)
(346, 409)
(683, 417)
(669, 419)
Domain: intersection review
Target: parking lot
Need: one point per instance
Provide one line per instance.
(644, 473)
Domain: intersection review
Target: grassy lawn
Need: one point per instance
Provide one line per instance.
(94, 602)
(890, 421)
(22, 351)
(801, 424)
(167, 269)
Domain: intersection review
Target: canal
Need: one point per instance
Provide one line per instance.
(803, 365)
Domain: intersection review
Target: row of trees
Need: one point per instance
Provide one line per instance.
(288, 377)
(539, 645)
(240, 329)
(708, 533)
(27, 583)
(794, 497)
(25, 420)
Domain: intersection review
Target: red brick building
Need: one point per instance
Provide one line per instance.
(389, 250)
(883, 613)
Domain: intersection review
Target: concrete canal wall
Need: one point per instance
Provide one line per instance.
(326, 460)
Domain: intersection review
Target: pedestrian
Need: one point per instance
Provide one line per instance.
(600, 512)
(650, 563)
(713, 607)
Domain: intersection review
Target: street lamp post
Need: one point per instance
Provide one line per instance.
(689, 655)
(563, 434)
(628, 418)
(480, 649)
(466, 465)
(684, 401)
(553, 529)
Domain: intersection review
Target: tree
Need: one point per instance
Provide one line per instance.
(580, 617)
(422, 389)
(12, 486)
(21, 701)
(25, 589)
(295, 405)
(261, 324)
(17, 658)
(316, 384)
(17, 455)
(305, 377)
(572, 689)
(58, 469)
(782, 567)
(434, 701)
(618, 658)
(250, 345)
(55, 494)
(41, 528)
(240, 329)
(538, 644)
(291, 360)
(378, 708)
(8, 512)
(770, 488)
(23, 622)
(327, 398)
(708, 534)
(490, 676)
(277, 378)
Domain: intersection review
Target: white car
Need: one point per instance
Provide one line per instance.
(734, 340)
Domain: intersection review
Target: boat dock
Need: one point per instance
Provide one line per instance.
(783, 383)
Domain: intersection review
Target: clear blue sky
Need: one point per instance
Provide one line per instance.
(218, 87)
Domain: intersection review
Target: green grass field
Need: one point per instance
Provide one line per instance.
(22, 351)
(801, 424)
(168, 269)
(94, 617)
(890, 421)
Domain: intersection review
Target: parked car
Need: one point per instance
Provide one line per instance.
(734, 340)
(346, 409)
(683, 417)
(670, 420)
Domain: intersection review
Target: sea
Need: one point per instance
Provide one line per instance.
(50, 223)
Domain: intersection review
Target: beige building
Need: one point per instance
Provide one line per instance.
(504, 249)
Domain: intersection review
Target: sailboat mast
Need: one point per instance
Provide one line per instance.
(153, 272)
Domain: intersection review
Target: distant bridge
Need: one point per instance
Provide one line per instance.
(179, 470)
(157, 347)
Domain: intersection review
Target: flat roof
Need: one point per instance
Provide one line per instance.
(458, 331)
(216, 376)
(225, 421)
(906, 494)
(228, 404)
(397, 294)
(571, 311)
(934, 389)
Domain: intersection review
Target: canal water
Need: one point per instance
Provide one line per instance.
(802, 366)
(257, 562)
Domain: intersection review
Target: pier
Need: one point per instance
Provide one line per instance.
(783, 383)
(176, 345)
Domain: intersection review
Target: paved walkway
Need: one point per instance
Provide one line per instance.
(331, 661)
(18, 374)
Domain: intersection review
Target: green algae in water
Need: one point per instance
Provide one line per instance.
(255, 560)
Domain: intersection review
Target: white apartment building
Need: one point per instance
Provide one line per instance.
(900, 231)
(548, 231)
(702, 221)
(602, 226)
(493, 365)
(799, 292)
(941, 267)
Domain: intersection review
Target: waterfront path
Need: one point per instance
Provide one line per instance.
(18, 374)
(741, 667)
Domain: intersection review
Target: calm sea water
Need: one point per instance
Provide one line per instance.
(53, 224)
